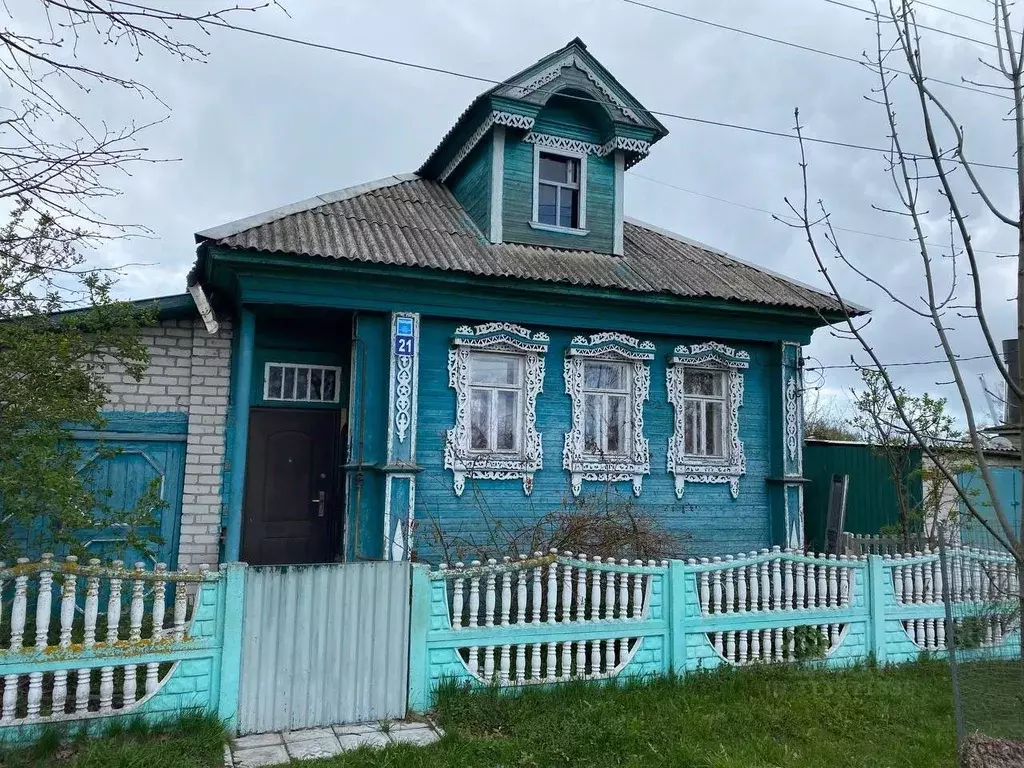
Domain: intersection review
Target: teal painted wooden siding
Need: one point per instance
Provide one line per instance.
(471, 184)
(518, 202)
(561, 117)
(708, 518)
(871, 501)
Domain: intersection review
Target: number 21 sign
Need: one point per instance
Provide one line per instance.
(405, 341)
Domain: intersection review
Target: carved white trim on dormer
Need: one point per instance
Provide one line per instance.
(562, 144)
(509, 119)
(572, 60)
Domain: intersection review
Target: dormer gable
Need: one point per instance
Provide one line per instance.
(539, 159)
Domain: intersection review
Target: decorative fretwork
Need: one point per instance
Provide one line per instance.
(552, 73)
(509, 119)
(699, 469)
(637, 463)
(625, 143)
(563, 144)
(792, 419)
(464, 463)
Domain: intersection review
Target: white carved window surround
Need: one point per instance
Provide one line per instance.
(572, 185)
(497, 372)
(608, 379)
(705, 387)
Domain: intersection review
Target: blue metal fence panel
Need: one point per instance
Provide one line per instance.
(324, 644)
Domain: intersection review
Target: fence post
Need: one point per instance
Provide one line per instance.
(676, 616)
(419, 625)
(876, 607)
(231, 648)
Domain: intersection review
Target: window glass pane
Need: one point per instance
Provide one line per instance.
(615, 428)
(479, 419)
(714, 423)
(274, 382)
(567, 208)
(691, 433)
(698, 382)
(554, 168)
(611, 376)
(495, 369)
(288, 392)
(330, 386)
(507, 425)
(302, 383)
(547, 205)
(591, 423)
(316, 380)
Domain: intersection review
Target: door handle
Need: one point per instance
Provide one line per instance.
(319, 501)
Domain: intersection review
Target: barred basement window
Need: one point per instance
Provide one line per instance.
(288, 382)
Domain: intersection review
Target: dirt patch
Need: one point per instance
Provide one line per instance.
(982, 752)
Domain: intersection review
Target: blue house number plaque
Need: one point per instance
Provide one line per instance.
(405, 343)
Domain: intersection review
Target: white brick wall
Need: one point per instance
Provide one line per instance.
(189, 372)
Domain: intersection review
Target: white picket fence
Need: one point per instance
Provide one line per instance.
(86, 620)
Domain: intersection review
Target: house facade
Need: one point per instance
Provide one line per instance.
(458, 353)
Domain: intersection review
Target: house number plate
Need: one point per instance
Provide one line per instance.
(405, 342)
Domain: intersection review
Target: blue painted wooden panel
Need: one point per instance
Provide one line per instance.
(707, 517)
(471, 184)
(1008, 491)
(518, 202)
(125, 476)
(564, 117)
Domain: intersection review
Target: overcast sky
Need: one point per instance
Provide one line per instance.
(265, 123)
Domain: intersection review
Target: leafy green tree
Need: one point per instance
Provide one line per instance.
(60, 332)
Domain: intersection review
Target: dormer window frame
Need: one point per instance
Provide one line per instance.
(581, 159)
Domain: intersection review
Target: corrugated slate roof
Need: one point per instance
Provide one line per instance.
(410, 221)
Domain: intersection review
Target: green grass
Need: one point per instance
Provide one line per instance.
(734, 719)
(192, 741)
(753, 718)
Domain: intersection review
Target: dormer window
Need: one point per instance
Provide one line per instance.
(559, 191)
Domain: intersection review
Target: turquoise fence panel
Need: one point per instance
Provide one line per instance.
(80, 645)
(557, 618)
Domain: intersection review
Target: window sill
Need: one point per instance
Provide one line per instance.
(562, 230)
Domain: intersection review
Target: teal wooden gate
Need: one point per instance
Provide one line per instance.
(125, 460)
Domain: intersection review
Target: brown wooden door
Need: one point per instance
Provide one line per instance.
(289, 468)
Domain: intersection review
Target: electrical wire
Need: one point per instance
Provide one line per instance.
(659, 113)
(896, 365)
(807, 48)
(871, 12)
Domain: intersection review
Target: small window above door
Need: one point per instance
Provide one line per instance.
(292, 383)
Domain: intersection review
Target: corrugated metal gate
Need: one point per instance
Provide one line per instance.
(324, 644)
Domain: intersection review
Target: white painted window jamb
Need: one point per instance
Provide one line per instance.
(497, 183)
(620, 174)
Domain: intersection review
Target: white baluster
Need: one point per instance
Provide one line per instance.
(552, 593)
(581, 595)
(844, 586)
(506, 594)
(822, 585)
(567, 584)
(67, 618)
(730, 646)
(918, 571)
(705, 589)
(730, 588)
(552, 660)
(833, 582)
(638, 592)
(741, 589)
(908, 582)
(833, 636)
(131, 681)
(940, 633)
(520, 664)
(92, 602)
(800, 582)
(474, 594)
(719, 646)
(929, 634)
(744, 647)
(536, 593)
(10, 700)
(811, 583)
(788, 591)
(595, 657)
(595, 592)
(180, 609)
(766, 584)
(755, 645)
(113, 626)
(488, 661)
(521, 576)
(457, 598)
(19, 608)
(776, 581)
(506, 659)
(753, 583)
(777, 642)
(716, 587)
(489, 595)
(159, 605)
(791, 645)
(44, 604)
(624, 591)
(609, 590)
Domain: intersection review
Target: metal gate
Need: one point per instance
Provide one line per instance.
(324, 644)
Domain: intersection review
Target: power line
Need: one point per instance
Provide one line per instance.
(784, 216)
(871, 12)
(659, 113)
(951, 12)
(896, 365)
(807, 48)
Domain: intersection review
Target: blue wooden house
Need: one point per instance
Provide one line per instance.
(488, 339)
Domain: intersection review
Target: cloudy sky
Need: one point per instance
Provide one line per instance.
(263, 123)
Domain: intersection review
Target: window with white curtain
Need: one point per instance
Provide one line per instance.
(705, 402)
(606, 408)
(495, 402)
